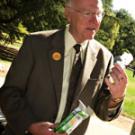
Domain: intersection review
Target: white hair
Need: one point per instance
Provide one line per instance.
(70, 2)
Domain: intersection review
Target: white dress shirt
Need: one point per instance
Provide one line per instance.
(69, 55)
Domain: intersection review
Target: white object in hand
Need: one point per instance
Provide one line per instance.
(125, 59)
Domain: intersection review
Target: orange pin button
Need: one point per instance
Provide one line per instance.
(56, 56)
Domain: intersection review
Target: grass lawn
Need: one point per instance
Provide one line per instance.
(129, 103)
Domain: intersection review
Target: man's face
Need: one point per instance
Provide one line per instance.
(84, 17)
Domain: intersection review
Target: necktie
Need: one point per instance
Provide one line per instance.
(76, 69)
(74, 78)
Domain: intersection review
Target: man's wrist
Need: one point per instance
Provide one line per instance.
(113, 102)
(117, 99)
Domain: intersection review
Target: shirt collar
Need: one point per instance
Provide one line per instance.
(70, 42)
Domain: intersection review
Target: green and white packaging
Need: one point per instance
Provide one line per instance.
(73, 120)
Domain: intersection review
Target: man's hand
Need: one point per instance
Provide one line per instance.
(43, 128)
(117, 82)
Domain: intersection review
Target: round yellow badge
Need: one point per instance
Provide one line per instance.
(56, 56)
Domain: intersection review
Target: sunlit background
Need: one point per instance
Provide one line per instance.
(129, 5)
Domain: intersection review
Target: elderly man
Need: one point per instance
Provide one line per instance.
(52, 71)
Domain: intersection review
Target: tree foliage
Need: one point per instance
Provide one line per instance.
(110, 26)
(109, 31)
(126, 37)
(18, 17)
(117, 30)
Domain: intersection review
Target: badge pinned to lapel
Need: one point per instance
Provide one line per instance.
(56, 56)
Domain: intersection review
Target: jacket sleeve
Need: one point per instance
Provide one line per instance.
(12, 100)
(101, 106)
(102, 100)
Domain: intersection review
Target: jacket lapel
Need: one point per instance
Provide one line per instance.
(56, 59)
(89, 63)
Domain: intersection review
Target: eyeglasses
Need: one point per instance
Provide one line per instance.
(88, 14)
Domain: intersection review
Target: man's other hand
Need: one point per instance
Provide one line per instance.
(43, 128)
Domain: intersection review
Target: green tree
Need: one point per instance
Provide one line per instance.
(110, 26)
(18, 17)
(109, 31)
(126, 37)
(107, 4)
